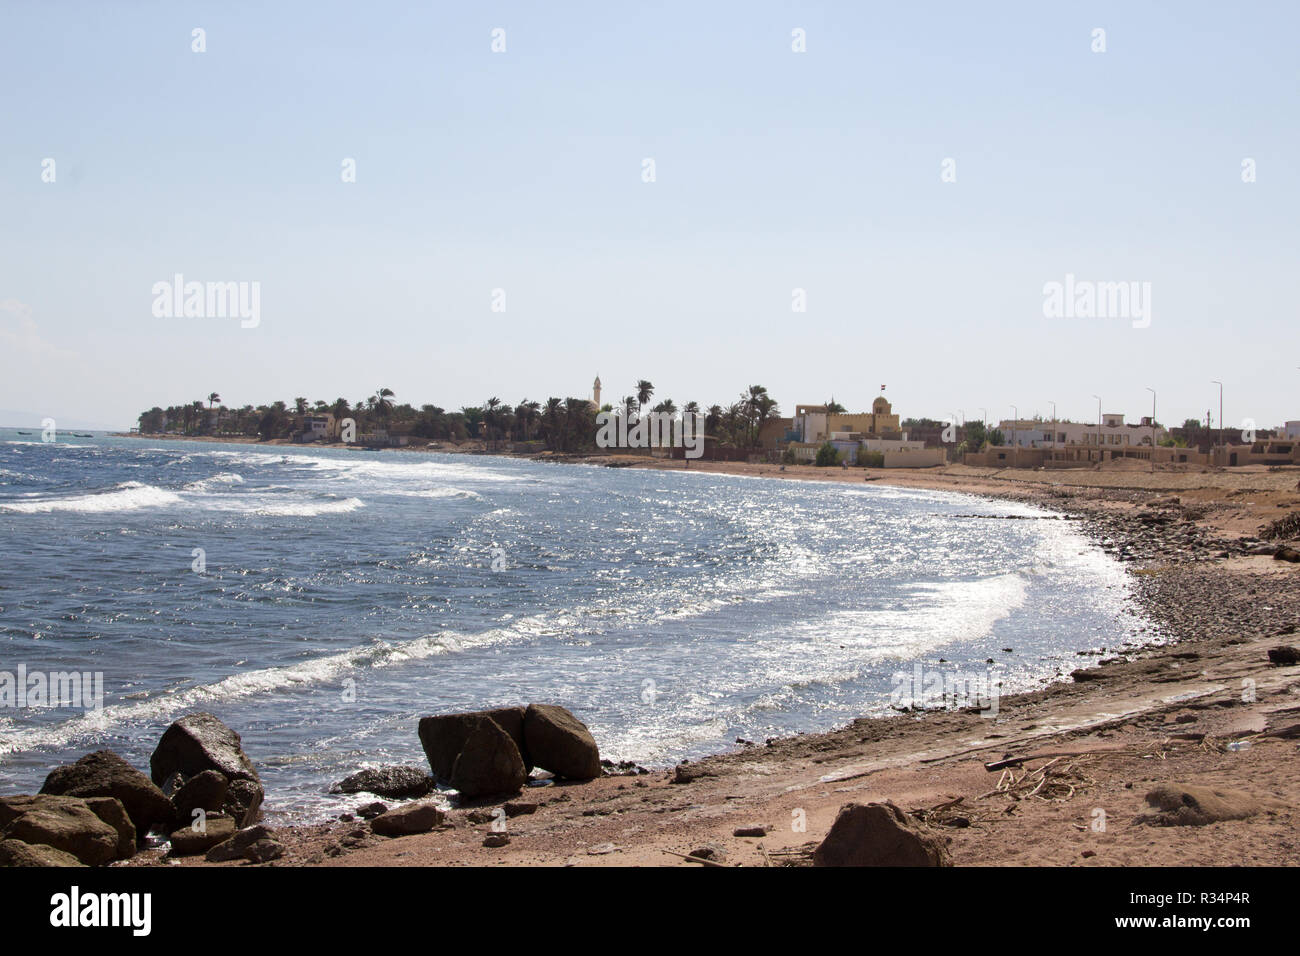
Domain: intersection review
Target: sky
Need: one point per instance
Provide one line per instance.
(922, 171)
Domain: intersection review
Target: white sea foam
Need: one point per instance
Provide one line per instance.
(128, 496)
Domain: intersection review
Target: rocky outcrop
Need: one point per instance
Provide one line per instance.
(489, 764)
(1284, 655)
(105, 774)
(489, 752)
(188, 841)
(396, 783)
(559, 742)
(879, 834)
(199, 742)
(18, 853)
(443, 737)
(405, 820)
(71, 824)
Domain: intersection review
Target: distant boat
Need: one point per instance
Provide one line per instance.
(82, 435)
(24, 433)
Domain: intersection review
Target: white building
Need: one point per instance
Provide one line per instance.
(1112, 433)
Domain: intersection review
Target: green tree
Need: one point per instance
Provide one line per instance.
(827, 456)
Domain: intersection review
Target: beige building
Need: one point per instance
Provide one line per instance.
(812, 423)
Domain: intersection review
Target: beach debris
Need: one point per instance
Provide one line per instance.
(879, 834)
(105, 774)
(489, 763)
(75, 825)
(557, 741)
(199, 742)
(1187, 804)
(394, 782)
(18, 853)
(186, 841)
(1284, 655)
(411, 818)
(753, 830)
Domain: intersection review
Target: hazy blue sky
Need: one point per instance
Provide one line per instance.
(775, 170)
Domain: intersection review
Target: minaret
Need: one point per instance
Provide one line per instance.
(595, 393)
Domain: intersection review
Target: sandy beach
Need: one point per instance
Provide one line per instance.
(1205, 707)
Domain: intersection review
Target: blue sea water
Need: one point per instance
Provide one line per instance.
(340, 595)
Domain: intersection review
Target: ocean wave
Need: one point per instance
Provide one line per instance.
(128, 496)
(219, 479)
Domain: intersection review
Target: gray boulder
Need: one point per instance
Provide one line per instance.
(559, 742)
(396, 783)
(105, 774)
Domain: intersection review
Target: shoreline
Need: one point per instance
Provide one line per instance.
(1163, 713)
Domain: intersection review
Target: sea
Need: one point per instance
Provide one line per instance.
(320, 601)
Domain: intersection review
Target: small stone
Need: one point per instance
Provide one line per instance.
(494, 840)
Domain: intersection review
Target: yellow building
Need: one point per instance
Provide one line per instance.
(815, 424)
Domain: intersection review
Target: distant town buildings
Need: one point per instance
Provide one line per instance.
(1112, 432)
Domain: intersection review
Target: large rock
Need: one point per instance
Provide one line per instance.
(190, 842)
(1184, 804)
(199, 742)
(396, 783)
(18, 853)
(206, 791)
(64, 823)
(489, 763)
(559, 742)
(111, 811)
(105, 774)
(235, 847)
(443, 737)
(879, 834)
(412, 818)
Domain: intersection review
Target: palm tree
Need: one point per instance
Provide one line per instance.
(629, 407)
(666, 407)
(644, 390)
(213, 397)
(384, 402)
(300, 405)
(834, 408)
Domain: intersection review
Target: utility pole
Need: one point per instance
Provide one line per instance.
(1053, 404)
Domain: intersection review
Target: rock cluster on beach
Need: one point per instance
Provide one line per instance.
(99, 809)
(490, 752)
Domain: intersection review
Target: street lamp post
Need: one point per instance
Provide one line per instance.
(1053, 404)
(1015, 445)
(1099, 452)
(1153, 427)
(1220, 384)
